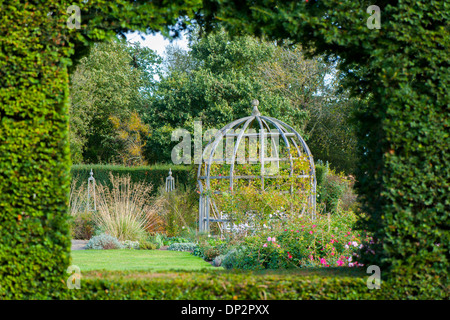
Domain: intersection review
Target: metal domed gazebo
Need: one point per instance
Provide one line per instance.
(267, 170)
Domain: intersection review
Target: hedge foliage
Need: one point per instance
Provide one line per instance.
(37, 49)
(155, 175)
(402, 70)
(34, 150)
(221, 285)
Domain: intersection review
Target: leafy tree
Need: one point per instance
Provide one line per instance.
(215, 81)
(131, 133)
(113, 80)
(314, 86)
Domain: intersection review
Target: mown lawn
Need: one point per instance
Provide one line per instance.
(138, 260)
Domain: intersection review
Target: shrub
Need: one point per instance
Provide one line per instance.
(211, 248)
(169, 240)
(104, 241)
(124, 211)
(82, 226)
(321, 172)
(336, 192)
(156, 239)
(128, 244)
(147, 245)
(178, 210)
(331, 192)
(217, 262)
(240, 258)
(303, 243)
(189, 246)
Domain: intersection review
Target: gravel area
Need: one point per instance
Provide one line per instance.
(79, 244)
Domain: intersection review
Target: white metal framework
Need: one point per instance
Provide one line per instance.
(238, 131)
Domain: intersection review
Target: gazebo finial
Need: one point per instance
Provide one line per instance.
(255, 111)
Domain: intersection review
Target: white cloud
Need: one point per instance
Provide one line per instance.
(157, 42)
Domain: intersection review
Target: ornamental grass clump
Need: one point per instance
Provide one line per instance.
(125, 211)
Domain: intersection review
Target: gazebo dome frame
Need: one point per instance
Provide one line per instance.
(289, 136)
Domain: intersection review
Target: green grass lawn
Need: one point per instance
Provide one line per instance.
(138, 260)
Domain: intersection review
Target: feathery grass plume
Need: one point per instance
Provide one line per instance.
(125, 211)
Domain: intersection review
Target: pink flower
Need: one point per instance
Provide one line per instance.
(265, 245)
(273, 239)
(289, 255)
(311, 232)
(311, 257)
(285, 229)
(350, 264)
(297, 231)
(313, 225)
(332, 253)
(323, 261)
(340, 263)
(269, 239)
(278, 246)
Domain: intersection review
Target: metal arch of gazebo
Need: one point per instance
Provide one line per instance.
(285, 131)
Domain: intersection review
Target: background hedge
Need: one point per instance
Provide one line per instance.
(155, 175)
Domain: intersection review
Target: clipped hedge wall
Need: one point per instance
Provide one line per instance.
(34, 150)
(155, 175)
(37, 49)
(240, 286)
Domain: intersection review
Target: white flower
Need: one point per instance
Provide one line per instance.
(350, 259)
(350, 264)
(355, 244)
(346, 246)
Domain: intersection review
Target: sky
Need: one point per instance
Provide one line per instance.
(156, 42)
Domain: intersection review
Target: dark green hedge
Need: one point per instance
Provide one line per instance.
(36, 49)
(240, 285)
(34, 150)
(155, 175)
